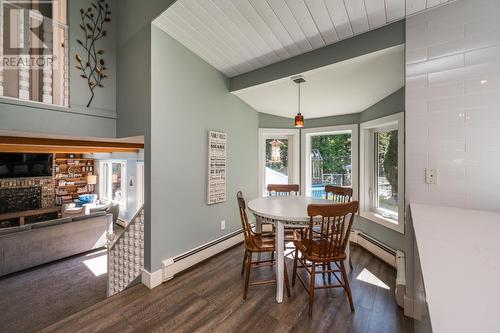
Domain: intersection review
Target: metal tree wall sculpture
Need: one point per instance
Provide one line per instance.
(91, 63)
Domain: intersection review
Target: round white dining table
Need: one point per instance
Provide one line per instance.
(282, 211)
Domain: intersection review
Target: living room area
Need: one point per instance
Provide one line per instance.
(63, 204)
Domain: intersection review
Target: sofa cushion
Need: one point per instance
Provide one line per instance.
(89, 216)
(99, 209)
(6, 231)
(87, 198)
(50, 223)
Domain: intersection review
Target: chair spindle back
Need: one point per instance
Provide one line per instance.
(338, 194)
(247, 228)
(336, 224)
(282, 189)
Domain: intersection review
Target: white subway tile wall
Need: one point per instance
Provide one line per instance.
(453, 104)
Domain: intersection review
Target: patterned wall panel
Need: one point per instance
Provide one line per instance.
(126, 256)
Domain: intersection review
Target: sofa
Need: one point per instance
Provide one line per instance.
(39, 243)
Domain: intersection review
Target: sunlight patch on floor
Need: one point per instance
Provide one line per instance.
(98, 265)
(369, 277)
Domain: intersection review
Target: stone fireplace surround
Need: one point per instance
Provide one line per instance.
(46, 184)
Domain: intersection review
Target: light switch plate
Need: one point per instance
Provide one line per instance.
(431, 176)
(223, 225)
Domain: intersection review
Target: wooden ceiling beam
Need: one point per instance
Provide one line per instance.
(61, 149)
(47, 145)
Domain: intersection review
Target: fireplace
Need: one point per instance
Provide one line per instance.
(20, 199)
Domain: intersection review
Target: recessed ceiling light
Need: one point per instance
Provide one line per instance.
(484, 81)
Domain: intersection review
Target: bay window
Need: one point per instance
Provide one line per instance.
(329, 157)
(278, 157)
(382, 174)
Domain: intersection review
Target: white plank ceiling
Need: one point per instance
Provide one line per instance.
(238, 36)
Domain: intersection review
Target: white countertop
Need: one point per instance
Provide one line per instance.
(459, 253)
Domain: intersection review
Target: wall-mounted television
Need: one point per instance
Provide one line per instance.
(20, 165)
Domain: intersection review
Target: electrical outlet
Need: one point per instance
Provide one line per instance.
(431, 176)
(223, 225)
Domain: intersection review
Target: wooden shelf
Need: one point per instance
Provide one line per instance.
(64, 172)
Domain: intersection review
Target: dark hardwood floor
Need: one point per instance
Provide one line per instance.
(33, 299)
(209, 298)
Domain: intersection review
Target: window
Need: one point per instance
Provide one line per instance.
(382, 163)
(329, 158)
(278, 157)
(33, 51)
(113, 184)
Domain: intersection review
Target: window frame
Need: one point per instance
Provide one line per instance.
(65, 68)
(306, 158)
(368, 169)
(105, 186)
(293, 163)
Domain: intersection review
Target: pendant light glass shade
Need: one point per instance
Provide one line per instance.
(299, 118)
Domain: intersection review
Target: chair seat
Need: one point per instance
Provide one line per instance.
(261, 243)
(304, 244)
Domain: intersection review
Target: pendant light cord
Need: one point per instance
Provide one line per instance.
(299, 98)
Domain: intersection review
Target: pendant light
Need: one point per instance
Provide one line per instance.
(299, 118)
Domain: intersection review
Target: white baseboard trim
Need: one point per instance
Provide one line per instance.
(173, 266)
(151, 280)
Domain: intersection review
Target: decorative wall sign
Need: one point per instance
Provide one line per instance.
(91, 63)
(216, 167)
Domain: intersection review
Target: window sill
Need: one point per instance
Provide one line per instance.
(386, 222)
(33, 104)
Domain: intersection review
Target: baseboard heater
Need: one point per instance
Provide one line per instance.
(181, 262)
(395, 258)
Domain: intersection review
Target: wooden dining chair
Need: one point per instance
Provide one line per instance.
(282, 189)
(327, 249)
(256, 243)
(285, 190)
(339, 195)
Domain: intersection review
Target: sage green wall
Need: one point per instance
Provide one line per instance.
(393, 103)
(189, 98)
(98, 120)
(134, 84)
(134, 87)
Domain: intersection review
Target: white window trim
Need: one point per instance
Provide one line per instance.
(66, 72)
(367, 147)
(139, 183)
(123, 203)
(269, 133)
(33, 104)
(306, 147)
